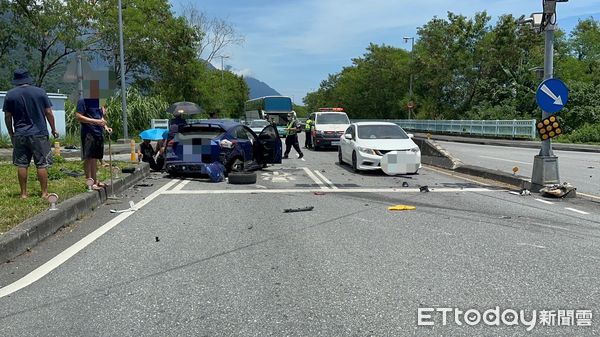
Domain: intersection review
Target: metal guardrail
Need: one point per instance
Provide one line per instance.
(491, 128)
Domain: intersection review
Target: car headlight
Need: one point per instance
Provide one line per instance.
(415, 150)
(366, 150)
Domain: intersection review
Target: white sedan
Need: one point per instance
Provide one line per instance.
(379, 145)
(258, 125)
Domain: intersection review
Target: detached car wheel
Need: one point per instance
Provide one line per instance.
(242, 178)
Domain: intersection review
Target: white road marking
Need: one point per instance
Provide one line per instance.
(508, 160)
(302, 159)
(339, 190)
(576, 211)
(531, 245)
(314, 178)
(327, 181)
(277, 176)
(181, 185)
(545, 201)
(260, 186)
(61, 258)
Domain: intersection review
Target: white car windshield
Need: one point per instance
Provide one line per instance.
(333, 119)
(381, 132)
(258, 124)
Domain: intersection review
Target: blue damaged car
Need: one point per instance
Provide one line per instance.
(193, 146)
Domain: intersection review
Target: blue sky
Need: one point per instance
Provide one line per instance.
(293, 45)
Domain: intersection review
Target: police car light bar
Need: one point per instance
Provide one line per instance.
(331, 109)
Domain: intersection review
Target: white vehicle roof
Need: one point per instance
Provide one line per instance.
(374, 123)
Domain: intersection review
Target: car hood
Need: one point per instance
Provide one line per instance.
(387, 144)
(332, 127)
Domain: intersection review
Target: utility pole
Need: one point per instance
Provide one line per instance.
(123, 88)
(410, 85)
(545, 164)
(79, 76)
(222, 81)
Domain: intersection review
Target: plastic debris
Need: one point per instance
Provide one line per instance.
(405, 184)
(130, 209)
(424, 189)
(216, 172)
(558, 191)
(525, 192)
(156, 238)
(401, 208)
(319, 193)
(302, 209)
(143, 185)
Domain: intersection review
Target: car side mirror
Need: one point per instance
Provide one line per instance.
(410, 135)
(348, 136)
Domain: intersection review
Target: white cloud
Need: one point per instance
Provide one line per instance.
(242, 72)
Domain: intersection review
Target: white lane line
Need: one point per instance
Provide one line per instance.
(314, 178)
(340, 190)
(576, 211)
(302, 159)
(455, 176)
(181, 185)
(508, 160)
(327, 181)
(545, 201)
(61, 258)
(531, 245)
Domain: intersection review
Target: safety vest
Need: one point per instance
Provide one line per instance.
(291, 127)
(308, 125)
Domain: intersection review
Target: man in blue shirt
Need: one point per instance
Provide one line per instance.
(93, 124)
(26, 109)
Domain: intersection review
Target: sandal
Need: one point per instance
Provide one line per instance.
(100, 184)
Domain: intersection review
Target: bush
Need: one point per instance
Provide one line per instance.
(589, 133)
(140, 110)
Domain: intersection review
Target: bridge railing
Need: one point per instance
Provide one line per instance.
(490, 128)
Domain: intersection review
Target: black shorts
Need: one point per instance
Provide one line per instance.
(26, 147)
(92, 146)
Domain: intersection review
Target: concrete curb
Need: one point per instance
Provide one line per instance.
(33, 230)
(435, 155)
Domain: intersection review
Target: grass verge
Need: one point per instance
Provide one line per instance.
(15, 210)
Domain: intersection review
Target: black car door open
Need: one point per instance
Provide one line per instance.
(270, 146)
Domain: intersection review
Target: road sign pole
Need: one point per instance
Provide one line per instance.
(545, 165)
(548, 74)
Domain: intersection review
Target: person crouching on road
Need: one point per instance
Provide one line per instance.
(26, 109)
(291, 139)
(93, 126)
(150, 155)
(307, 132)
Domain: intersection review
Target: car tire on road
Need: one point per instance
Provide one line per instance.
(242, 178)
(340, 160)
(354, 163)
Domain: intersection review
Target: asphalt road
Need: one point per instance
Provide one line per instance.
(581, 169)
(205, 259)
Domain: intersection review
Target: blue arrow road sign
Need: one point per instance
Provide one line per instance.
(552, 95)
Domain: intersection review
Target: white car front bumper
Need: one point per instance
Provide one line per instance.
(407, 161)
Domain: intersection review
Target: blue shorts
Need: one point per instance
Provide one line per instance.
(36, 147)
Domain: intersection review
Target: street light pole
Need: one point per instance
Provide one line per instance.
(123, 88)
(222, 79)
(410, 85)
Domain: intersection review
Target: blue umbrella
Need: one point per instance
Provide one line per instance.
(154, 134)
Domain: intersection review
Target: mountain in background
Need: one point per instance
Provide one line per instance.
(259, 88)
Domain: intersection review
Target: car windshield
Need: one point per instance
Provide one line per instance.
(201, 131)
(258, 123)
(333, 119)
(381, 132)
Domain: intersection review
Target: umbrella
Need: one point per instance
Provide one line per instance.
(154, 134)
(184, 108)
